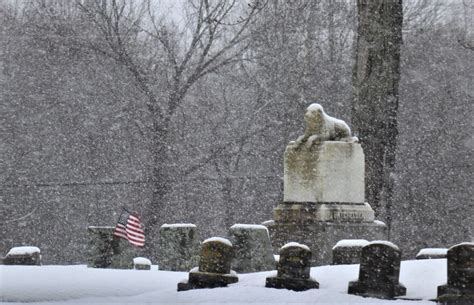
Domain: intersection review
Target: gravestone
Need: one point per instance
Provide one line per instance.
(214, 266)
(347, 251)
(252, 248)
(432, 253)
(178, 247)
(324, 190)
(25, 255)
(293, 270)
(108, 251)
(141, 263)
(460, 287)
(379, 272)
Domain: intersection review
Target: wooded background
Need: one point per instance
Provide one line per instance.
(182, 110)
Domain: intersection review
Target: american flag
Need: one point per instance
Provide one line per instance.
(129, 227)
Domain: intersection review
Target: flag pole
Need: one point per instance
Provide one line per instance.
(126, 210)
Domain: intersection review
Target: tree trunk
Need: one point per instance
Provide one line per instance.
(376, 77)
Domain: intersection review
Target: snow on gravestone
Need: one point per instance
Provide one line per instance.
(108, 251)
(347, 251)
(379, 272)
(460, 287)
(432, 253)
(252, 248)
(214, 266)
(141, 263)
(25, 255)
(293, 270)
(178, 247)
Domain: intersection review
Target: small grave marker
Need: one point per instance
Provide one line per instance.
(293, 268)
(460, 287)
(23, 256)
(379, 272)
(214, 266)
(141, 263)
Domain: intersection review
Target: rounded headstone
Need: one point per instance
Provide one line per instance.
(295, 261)
(460, 287)
(216, 255)
(379, 271)
(461, 265)
(178, 247)
(141, 263)
(214, 266)
(293, 268)
(252, 248)
(25, 255)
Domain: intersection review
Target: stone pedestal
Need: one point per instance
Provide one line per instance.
(321, 237)
(324, 199)
(310, 212)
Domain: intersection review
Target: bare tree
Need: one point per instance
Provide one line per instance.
(166, 59)
(422, 14)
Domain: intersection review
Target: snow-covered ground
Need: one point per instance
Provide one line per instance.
(79, 284)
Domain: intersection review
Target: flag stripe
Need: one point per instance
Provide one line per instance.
(138, 231)
(136, 238)
(129, 227)
(137, 244)
(131, 217)
(140, 236)
(133, 224)
(124, 236)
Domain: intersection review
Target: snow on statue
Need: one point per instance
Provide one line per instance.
(321, 127)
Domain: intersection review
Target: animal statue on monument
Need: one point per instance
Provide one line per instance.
(321, 127)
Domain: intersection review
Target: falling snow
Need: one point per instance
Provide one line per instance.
(183, 118)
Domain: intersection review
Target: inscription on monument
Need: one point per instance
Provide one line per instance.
(342, 215)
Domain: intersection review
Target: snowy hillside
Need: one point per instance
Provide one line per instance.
(79, 284)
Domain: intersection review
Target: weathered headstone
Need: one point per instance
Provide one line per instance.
(252, 248)
(347, 251)
(141, 263)
(323, 189)
(293, 270)
(108, 251)
(214, 266)
(379, 272)
(432, 253)
(25, 255)
(460, 287)
(178, 247)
